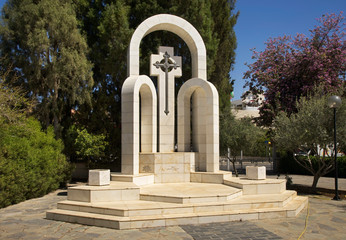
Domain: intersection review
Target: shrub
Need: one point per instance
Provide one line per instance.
(288, 165)
(31, 162)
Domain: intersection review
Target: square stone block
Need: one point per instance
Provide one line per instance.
(256, 173)
(99, 177)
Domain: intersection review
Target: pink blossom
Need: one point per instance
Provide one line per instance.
(290, 67)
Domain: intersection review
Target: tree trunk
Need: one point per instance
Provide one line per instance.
(314, 183)
(56, 110)
(235, 170)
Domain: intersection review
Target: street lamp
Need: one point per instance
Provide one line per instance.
(334, 102)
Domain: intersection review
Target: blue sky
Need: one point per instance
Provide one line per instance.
(261, 19)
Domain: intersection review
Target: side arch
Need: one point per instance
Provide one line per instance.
(205, 125)
(175, 25)
(134, 89)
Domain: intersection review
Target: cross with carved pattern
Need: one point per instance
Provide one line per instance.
(167, 64)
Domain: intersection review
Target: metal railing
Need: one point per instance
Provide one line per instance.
(244, 161)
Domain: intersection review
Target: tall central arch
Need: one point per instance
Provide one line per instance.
(175, 25)
(204, 95)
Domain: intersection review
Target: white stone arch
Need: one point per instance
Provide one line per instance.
(133, 89)
(175, 25)
(205, 99)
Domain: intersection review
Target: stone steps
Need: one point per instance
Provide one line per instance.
(140, 179)
(116, 191)
(190, 193)
(125, 205)
(147, 208)
(253, 187)
(291, 209)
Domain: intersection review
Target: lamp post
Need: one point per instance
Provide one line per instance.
(334, 102)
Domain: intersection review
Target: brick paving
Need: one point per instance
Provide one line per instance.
(229, 231)
(26, 220)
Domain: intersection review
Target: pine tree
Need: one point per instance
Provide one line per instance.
(41, 40)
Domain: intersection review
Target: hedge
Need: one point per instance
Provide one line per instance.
(287, 165)
(31, 162)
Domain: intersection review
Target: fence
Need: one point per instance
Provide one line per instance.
(244, 161)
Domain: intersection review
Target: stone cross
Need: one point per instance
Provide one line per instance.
(166, 67)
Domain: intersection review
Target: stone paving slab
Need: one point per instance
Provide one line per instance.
(231, 231)
(326, 220)
(26, 220)
(323, 182)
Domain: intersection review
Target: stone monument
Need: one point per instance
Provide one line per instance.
(163, 183)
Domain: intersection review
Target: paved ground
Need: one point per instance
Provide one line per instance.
(323, 182)
(26, 220)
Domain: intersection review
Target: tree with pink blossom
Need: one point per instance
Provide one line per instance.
(290, 67)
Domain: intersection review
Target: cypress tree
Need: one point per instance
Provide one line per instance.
(224, 22)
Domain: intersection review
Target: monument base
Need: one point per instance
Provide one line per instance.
(131, 206)
(170, 167)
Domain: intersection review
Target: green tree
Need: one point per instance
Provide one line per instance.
(40, 38)
(311, 128)
(237, 135)
(84, 145)
(224, 22)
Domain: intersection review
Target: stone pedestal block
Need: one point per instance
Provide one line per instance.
(169, 167)
(99, 177)
(256, 173)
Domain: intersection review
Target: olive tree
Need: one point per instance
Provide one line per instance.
(311, 128)
(237, 135)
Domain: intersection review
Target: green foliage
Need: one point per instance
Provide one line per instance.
(224, 22)
(31, 162)
(288, 165)
(311, 128)
(238, 134)
(13, 103)
(41, 40)
(341, 167)
(86, 146)
(259, 145)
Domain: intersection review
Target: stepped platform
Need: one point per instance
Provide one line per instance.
(168, 204)
(252, 187)
(113, 192)
(189, 192)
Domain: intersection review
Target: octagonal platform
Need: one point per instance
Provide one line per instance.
(130, 206)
